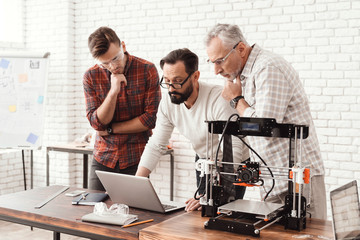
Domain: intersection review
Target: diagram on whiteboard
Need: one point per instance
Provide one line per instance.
(22, 89)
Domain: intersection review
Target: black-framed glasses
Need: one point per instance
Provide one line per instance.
(220, 61)
(167, 85)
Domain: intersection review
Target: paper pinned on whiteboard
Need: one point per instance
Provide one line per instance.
(40, 99)
(4, 63)
(32, 138)
(12, 108)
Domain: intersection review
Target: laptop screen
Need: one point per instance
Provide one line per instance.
(134, 191)
(345, 208)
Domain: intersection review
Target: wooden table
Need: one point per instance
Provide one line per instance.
(70, 148)
(191, 226)
(60, 216)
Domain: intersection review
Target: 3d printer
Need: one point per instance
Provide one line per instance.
(245, 216)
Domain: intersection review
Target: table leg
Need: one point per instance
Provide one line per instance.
(47, 167)
(23, 162)
(32, 168)
(85, 171)
(56, 236)
(171, 176)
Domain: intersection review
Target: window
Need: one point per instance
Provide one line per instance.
(11, 21)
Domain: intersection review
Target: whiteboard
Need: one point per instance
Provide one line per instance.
(22, 95)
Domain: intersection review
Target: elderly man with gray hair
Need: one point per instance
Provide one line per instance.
(264, 85)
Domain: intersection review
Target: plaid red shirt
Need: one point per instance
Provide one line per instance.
(140, 98)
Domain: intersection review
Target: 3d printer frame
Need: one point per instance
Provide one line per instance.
(238, 216)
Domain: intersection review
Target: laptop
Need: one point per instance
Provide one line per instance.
(134, 191)
(345, 207)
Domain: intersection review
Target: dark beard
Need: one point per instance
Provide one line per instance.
(182, 96)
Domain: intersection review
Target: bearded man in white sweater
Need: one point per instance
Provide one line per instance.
(188, 104)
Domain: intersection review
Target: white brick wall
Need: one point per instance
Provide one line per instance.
(320, 38)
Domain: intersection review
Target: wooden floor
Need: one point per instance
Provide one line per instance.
(11, 231)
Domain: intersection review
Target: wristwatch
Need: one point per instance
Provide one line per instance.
(234, 102)
(109, 129)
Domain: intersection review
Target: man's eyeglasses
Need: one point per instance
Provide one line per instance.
(167, 85)
(115, 60)
(222, 60)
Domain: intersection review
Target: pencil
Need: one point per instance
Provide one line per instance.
(137, 223)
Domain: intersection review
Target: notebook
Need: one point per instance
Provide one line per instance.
(115, 219)
(345, 207)
(135, 192)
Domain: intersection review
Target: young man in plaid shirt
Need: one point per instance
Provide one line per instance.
(122, 95)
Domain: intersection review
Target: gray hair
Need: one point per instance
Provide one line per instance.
(229, 34)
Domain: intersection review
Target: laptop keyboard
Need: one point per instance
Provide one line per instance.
(167, 207)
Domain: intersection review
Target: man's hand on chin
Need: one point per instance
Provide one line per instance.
(232, 89)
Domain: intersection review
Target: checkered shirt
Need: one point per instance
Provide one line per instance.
(140, 98)
(272, 88)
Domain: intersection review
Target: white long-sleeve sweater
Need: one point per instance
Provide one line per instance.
(190, 123)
